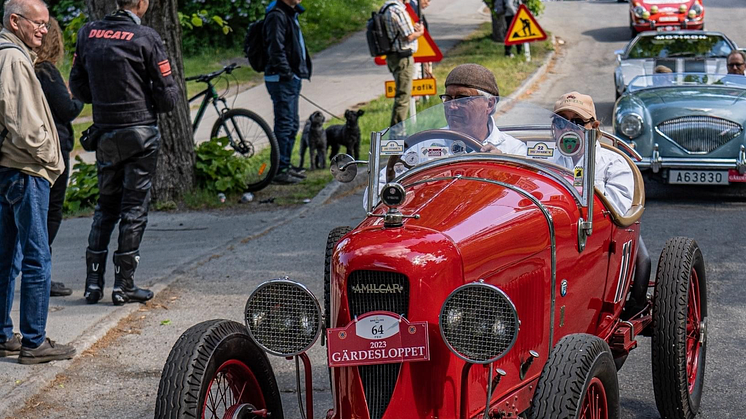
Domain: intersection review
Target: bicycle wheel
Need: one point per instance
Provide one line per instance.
(252, 138)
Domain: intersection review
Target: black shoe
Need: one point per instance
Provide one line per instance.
(299, 173)
(11, 347)
(47, 351)
(95, 262)
(59, 289)
(125, 290)
(286, 178)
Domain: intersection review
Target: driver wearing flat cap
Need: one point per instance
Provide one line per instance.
(469, 102)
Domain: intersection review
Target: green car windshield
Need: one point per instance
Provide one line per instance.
(680, 46)
(685, 79)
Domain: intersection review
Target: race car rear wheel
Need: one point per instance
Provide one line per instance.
(579, 381)
(215, 370)
(679, 329)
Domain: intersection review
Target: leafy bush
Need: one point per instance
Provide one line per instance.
(535, 6)
(82, 192)
(211, 34)
(218, 169)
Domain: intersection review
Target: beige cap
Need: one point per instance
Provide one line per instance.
(576, 102)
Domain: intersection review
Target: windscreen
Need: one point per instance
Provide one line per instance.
(470, 126)
(680, 46)
(688, 79)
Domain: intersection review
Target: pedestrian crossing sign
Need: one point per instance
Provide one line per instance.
(524, 28)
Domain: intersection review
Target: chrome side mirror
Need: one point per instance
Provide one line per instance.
(344, 167)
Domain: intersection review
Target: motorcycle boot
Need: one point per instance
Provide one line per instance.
(95, 262)
(125, 290)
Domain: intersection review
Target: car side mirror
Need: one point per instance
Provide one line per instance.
(344, 168)
(619, 54)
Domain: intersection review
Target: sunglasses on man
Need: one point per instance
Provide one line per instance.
(464, 98)
(736, 65)
(562, 123)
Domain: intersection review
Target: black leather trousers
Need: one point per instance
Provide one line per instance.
(126, 160)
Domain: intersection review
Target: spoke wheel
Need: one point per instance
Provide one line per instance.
(578, 381)
(216, 371)
(595, 405)
(679, 329)
(251, 138)
(232, 386)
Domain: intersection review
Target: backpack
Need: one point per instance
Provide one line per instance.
(377, 35)
(3, 46)
(253, 45)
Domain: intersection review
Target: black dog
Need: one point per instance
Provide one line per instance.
(347, 135)
(314, 139)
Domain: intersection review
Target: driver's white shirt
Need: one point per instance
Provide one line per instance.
(507, 144)
(613, 177)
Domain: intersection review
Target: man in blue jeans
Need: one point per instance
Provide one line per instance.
(30, 162)
(288, 63)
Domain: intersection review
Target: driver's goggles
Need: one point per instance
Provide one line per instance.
(562, 123)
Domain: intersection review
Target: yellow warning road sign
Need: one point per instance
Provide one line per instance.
(524, 28)
(420, 87)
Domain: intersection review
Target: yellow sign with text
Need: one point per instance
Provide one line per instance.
(420, 87)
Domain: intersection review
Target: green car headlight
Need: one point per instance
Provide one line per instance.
(631, 125)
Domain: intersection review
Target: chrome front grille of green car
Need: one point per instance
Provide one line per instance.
(371, 291)
(700, 134)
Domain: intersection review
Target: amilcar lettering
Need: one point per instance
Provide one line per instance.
(377, 289)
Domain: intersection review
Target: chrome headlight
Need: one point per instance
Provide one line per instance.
(283, 317)
(696, 10)
(638, 11)
(631, 125)
(479, 323)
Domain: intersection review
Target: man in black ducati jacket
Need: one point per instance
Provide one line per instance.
(122, 68)
(288, 63)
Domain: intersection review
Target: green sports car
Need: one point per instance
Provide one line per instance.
(689, 128)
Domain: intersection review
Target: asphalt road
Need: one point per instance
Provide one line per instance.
(119, 376)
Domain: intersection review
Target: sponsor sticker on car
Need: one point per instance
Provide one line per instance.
(734, 176)
(378, 337)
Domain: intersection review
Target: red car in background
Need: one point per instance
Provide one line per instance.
(665, 15)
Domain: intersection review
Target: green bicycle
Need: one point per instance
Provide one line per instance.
(248, 134)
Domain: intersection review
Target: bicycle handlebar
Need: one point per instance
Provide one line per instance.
(205, 78)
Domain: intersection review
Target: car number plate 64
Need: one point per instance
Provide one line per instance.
(378, 337)
(698, 177)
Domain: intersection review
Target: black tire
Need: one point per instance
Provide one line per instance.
(331, 242)
(194, 361)
(577, 364)
(254, 140)
(677, 394)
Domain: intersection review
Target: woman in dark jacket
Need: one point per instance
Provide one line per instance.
(64, 110)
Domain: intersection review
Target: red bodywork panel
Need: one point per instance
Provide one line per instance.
(665, 15)
(470, 230)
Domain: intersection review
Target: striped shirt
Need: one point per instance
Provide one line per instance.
(399, 25)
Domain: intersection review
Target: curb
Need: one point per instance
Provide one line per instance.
(333, 190)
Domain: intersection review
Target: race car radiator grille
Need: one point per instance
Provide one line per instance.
(371, 291)
(700, 134)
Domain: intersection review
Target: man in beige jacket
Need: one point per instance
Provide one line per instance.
(30, 162)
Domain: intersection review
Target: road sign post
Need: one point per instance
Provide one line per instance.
(524, 29)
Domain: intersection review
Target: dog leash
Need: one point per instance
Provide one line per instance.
(316, 105)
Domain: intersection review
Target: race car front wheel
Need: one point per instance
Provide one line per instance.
(578, 381)
(215, 371)
(679, 328)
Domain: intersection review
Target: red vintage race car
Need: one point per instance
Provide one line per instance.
(479, 285)
(665, 15)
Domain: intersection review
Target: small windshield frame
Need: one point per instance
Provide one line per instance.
(680, 45)
(700, 80)
(428, 140)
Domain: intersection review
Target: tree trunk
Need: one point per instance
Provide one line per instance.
(175, 172)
